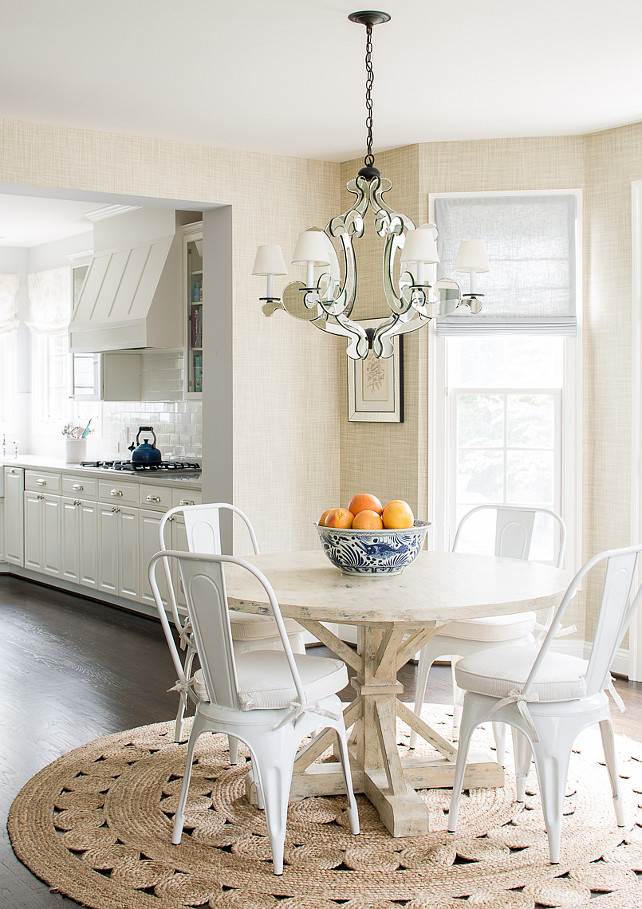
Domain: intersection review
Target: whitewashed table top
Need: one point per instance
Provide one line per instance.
(438, 587)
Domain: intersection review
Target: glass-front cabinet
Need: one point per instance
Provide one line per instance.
(193, 259)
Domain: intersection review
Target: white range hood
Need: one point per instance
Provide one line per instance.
(132, 294)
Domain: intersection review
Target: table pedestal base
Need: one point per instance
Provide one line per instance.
(378, 771)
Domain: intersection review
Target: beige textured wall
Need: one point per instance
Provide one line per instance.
(286, 385)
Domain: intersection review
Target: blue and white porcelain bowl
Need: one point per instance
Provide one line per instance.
(373, 553)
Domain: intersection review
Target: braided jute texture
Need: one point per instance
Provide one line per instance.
(96, 825)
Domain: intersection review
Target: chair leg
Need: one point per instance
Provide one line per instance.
(423, 670)
(458, 698)
(233, 747)
(198, 728)
(468, 724)
(523, 758)
(608, 743)
(353, 814)
(499, 733)
(551, 763)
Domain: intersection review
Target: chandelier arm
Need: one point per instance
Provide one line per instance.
(355, 334)
(382, 345)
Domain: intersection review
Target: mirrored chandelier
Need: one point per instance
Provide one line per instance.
(413, 301)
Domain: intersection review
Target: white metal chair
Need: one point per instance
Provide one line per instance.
(249, 632)
(513, 538)
(549, 698)
(269, 699)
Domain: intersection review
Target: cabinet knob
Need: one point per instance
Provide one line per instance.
(115, 508)
(153, 498)
(41, 482)
(13, 471)
(40, 496)
(187, 502)
(77, 502)
(116, 492)
(78, 486)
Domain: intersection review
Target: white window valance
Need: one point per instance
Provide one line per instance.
(9, 288)
(50, 300)
(531, 244)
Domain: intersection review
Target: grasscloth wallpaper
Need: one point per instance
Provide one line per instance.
(294, 452)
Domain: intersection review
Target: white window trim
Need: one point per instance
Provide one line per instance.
(571, 469)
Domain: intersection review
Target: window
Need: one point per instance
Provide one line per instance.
(50, 379)
(504, 393)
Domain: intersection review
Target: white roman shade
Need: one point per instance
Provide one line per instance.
(50, 300)
(531, 244)
(9, 287)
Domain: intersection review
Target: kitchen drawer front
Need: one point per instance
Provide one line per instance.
(116, 491)
(80, 487)
(186, 497)
(156, 496)
(40, 481)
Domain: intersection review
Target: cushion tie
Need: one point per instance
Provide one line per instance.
(186, 687)
(521, 702)
(560, 633)
(297, 710)
(185, 636)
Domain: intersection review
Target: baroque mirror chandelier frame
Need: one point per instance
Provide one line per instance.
(413, 302)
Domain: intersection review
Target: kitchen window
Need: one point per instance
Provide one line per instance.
(505, 403)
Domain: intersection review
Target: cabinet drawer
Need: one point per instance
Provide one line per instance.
(155, 496)
(80, 487)
(186, 497)
(116, 491)
(40, 481)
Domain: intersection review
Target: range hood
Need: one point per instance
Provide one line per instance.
(132, 293)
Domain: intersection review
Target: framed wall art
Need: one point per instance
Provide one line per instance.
(375, 393)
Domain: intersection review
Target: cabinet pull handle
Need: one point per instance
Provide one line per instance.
(116, 492)
(41, 482)
(187, 502)
(153, 498)
(115, 508)
(78, 486)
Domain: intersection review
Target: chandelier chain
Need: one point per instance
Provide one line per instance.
(369, 158)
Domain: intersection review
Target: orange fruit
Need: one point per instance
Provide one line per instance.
(367, 520)
(397, 515)
(323, 517)
(339, 517)
(363, 501)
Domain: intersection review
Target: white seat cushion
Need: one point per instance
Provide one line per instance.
(246, 627)
(491, 629)
(499, 671)
(265, 681)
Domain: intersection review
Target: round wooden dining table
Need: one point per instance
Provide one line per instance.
(395, 616)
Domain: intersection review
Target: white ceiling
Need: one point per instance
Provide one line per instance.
(287, 76)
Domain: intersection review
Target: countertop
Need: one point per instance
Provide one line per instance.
(155, 477)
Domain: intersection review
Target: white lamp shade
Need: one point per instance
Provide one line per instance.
(312, 246)
(269, 261)
(420, 246)
(471, 257)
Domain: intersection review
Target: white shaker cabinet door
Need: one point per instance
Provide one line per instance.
(13, 515)
(108, 524)
(129, 547)
(70, 535)
(88, 547)
(33, 517)
(51, 535)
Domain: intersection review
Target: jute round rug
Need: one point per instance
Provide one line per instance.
(95, 825)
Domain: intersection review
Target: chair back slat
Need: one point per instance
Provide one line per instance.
(613, 618)
(203, 528)
(514, 532)
(204, 589)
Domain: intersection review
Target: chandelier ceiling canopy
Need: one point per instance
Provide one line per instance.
(412, 299)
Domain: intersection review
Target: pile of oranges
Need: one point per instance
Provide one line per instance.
(365, 512)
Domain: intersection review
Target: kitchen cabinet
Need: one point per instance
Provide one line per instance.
(14, 515)
(193, 291)
(42, 532)
(118, 572)
(79, 540)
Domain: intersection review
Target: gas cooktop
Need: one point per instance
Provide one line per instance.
(143, 468)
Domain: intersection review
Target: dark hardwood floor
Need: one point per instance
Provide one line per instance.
(72, 669)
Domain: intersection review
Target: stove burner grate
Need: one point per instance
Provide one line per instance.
(136, 468)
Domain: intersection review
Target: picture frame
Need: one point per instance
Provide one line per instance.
(375, 386)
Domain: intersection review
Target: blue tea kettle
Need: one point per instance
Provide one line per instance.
(144, 453)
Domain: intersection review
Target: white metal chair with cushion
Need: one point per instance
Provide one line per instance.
(512, 538)
(269, 699)
(549, 697)
(249, 632)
